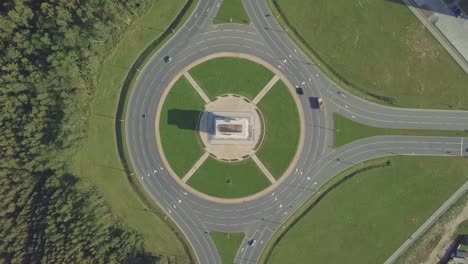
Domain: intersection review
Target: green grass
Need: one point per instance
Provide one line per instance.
(347, 131)
(178, 127)
(227, 245)
(281, 129)
(98, 164)
(231, 75)
(397, 63)
(228, 180)
(367, 217)
(232, 11)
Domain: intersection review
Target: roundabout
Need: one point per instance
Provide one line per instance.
(314, 161)
(220, 141)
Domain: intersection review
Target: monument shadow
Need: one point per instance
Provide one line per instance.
(189, 119)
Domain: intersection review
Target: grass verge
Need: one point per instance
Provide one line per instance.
(409, 66)
(232, 11)
(102, 161)
(228, 180)
(227, 245)
(231, 75)
(363, 214)
(281, 129)
(178, 126)
(346, 131)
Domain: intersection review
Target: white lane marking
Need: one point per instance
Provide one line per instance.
(346, 106)
(281, 206)
(279, 66)
(461, 147)
(272, 193)
(196, 14)
(276, 198)
(315, 183)
(217, 5)
(180, 201)
(155, 171)
(284, 60)
(261, 242)
(353, 116)
(308, 178)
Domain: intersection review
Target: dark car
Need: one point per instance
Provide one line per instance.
(251, 242)
(167, 59)
(299, 91)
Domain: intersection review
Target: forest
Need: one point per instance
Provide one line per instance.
(50, 52)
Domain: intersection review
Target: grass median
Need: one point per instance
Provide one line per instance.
(231, 75)
(232, 11)
(282, 129)
(228, 180)
(366, 212)
(398, 63)
(347, 131)
(98, 164)
(178, 127)
(227, 245)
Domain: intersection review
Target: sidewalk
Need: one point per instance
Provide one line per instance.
(447, 28)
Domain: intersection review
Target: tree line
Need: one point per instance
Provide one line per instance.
(50, 51)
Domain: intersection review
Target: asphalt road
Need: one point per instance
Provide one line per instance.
(318, 163)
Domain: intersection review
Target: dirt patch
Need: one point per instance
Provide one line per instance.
(438, 238)
(416, 40)
(450, 229)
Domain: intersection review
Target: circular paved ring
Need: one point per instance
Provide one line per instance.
(291, 89)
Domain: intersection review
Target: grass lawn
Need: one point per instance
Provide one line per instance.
(281, 129)
(397, 63)
(368, 216)
(178, 126)
(227, 245)
(232, 11)
(347, 131)
(228, 180)
(231, 75)
(97, 163)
